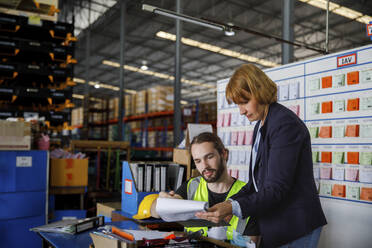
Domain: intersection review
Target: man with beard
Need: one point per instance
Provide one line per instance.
(214, 185)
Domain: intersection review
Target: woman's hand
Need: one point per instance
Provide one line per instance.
(217, 213)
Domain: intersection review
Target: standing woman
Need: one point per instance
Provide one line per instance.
(281, 191)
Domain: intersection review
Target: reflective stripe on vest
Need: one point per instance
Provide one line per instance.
(197, 190)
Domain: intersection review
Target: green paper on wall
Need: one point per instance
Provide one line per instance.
(338, 131)
(325, 189)
(366, 131)
(314, 84)
(338, 81)
(365, 158)
(315, 157)
(338, 157)
(313, 132)
(366, 103)
(339, 106)
(352, 192)
(315, 108)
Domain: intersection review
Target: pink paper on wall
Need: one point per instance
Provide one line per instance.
(234, 138)
(226, 120)
(351, 174)
(220, 119)
(295, 109)
(325, 172)
(248, 137)
(241, 138)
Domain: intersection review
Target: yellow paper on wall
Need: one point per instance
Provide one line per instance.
(365, 158)
(338, 157)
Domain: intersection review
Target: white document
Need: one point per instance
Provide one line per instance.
(294, 90)
(179, 210)
(283, 92)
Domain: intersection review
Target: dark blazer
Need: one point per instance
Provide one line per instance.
(287, 204)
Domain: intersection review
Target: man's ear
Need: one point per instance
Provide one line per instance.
(225, 154)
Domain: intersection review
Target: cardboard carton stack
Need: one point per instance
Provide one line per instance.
(77, 116)
(141, 101)
(160, 98)
(208, 112)
(15, 135)
(114, 108)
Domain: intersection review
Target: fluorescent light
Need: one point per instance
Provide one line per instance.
(183, 17)
(157, 74)
(183, 102)
(103, 85)
(340, 10)
(217, 49)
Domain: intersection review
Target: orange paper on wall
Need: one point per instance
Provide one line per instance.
(353, 157)
(327, 107)
(327, 82)
(366, 194)
(353, 77)
(339, 190)
(326, 157)
(352, 131)
(353, 104)
(325, 132)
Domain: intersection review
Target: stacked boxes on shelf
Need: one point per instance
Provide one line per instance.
(36, 68)
(160, 98)
(141, 102)
(23, 196)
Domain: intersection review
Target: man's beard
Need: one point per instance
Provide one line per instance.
(217, 174)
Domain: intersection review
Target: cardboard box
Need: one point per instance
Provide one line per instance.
(15, 135)
(160, 98)
(69, 172)
(105, 209)
(141, 101)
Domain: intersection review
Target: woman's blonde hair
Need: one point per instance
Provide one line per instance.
(247, 81)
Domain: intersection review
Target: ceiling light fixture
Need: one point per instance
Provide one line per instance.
(144, 65)
(217, 49)
(96, 86)
(157, 74)
(187, 18)
(340, 10)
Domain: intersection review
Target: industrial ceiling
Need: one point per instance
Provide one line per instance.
(201, 68)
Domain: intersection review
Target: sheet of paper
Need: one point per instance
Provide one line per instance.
(366, 76)
(234, 138)
(234, 119)
(315, 108)
(338, 81)
(365, 158)
(315, 156)
(325, 172)
(314, 84)
(316, 172)
(365, 175)
(366, 103)
(351, 174)
(242, 157)
(338, 173)
(294, 90)
(179, 210)
(147, 234)
(283, 92)
(235, 157)
(313, 132)
(338, 131)
(325, 188)
(242, 120)
(241, 138)
(352, 192)
(366, 131)
(227, 139)
(338, 157)
(339, 106)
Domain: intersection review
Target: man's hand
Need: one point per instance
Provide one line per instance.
(217, 213)
(171, 194)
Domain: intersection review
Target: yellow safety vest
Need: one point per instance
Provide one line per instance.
(197, 190)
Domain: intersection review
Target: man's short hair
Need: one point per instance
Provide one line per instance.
(209, 137)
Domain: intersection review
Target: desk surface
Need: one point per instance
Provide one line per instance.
(83, 239)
